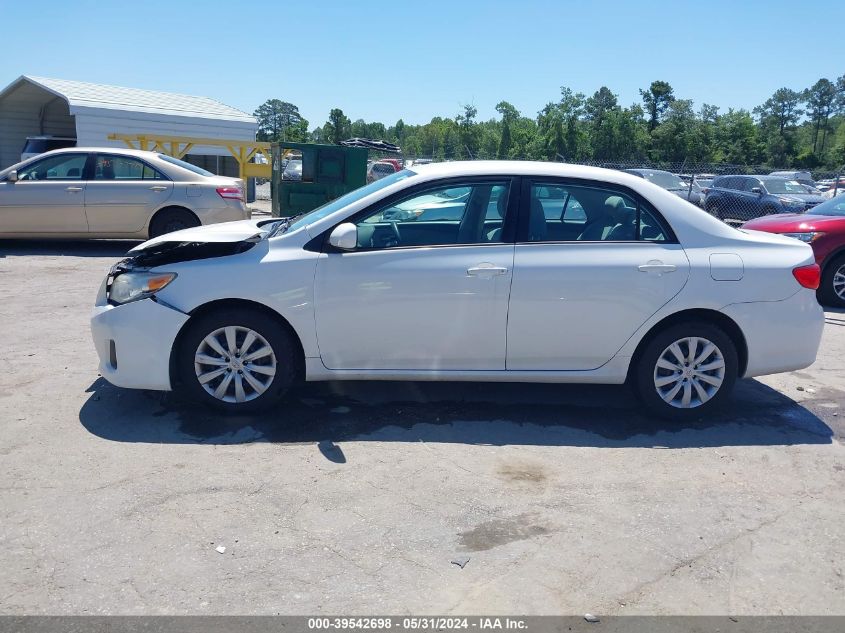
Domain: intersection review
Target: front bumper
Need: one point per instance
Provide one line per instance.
(134, 342)
(780, 335)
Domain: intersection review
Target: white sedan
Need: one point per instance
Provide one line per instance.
(546, 273)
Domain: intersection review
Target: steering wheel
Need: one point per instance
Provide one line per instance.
(387, 240)
(394, 227)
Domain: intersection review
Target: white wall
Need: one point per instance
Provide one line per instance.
(93, 126)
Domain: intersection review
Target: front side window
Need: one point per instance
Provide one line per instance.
(576, 213)
(61, 167)
(451, 214)
(749, 183)
(123, 168)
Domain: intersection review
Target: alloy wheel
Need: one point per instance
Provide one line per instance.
(689, 372)
(235, 364)
(839, 282)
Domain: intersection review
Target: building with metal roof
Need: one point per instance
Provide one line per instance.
(34, 106)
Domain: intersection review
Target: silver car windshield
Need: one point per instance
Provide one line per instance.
(353, 196)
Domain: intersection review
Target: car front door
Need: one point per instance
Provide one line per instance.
(48, 197)
(427, 286)
(123, 193)
(575, 301)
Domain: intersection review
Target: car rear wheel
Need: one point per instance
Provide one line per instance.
(832, 288)
(237, 361)
(686, 371)
(169, 220)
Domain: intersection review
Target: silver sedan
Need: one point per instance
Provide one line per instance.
(111, 192)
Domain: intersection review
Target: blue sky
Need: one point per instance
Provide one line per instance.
(414, 60)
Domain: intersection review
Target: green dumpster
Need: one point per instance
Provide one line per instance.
(307, 175)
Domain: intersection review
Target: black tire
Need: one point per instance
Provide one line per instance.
(169, 220)
(826, 293)
(284, 356)
(646, 371)
(716, 212)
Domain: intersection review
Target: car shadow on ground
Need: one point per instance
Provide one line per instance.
(468, 413)
(67, 248)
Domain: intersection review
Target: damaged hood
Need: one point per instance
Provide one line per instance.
(241, 231)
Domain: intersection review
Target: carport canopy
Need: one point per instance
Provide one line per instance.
(33, 106)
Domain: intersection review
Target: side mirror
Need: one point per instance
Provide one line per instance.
(756, 190)
(344, 237)
(13, 176)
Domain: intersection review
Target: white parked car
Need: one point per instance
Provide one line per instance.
(550, 273)
(113, 193)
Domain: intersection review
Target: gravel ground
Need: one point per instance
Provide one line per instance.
(355, 498)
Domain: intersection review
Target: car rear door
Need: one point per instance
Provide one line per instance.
(575, 302)
(123, 193)
(47, 198)
(417, 293)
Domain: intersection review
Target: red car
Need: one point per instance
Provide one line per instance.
(823, 228)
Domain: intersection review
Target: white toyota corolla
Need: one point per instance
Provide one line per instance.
(483, 271)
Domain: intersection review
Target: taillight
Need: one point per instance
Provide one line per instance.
(808, 276)
(231, 193)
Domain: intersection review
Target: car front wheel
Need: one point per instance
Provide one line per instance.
(237, 361)
(832, 289)
(686, 371)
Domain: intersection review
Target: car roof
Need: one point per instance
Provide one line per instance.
(526, 168)
(105, 150)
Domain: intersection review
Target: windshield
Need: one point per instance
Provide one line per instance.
(781, 185)
(665, 179)
(184, 165)
(353, 196)
(834, 206)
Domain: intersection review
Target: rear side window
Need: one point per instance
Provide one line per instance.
(578, 213)
(184, 165)
(110, 167)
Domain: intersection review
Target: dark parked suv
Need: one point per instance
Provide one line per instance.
(736, 199)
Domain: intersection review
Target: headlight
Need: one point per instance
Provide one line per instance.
(128, 287)
(791, 202)
(808, 236)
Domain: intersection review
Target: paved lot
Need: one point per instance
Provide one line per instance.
(355, 497)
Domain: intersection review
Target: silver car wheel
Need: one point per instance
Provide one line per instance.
(689, 372)
(839, 282)
(235, 364)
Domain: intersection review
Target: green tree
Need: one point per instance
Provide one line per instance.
(600, 111)
(338, 128)
(821, 99)
(778, 118)
(736, 138)
(657, 99)
(509, 115)
(280, 121)
(468, 133)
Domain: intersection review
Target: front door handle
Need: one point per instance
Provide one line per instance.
(656, 266)
(74, 189)
(486, 270)
(158, 188)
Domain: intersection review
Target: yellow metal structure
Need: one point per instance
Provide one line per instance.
(179, 146)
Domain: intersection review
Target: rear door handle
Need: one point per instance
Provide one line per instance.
(657, 267)
(74, 189)
(486, 270)
(158, 188)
